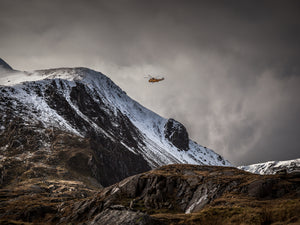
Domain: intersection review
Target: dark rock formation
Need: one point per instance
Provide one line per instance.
(176, 133)
(4, 65)
(113, 162)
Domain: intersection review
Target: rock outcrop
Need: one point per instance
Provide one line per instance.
(4, 65)
(185, 189)
(120, 215)
(176, 133)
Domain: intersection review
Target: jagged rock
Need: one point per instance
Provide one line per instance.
(123, 216)
(176, 133)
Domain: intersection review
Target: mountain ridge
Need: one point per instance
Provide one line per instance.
(273, 167)
(47, 114)
(101, 88)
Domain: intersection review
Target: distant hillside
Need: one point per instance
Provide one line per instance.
(273, 167)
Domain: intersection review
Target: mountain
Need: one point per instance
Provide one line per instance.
(273, 167)
(172, 194)
(52, 113)
(75, 149)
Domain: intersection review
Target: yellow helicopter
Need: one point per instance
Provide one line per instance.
(154, 79)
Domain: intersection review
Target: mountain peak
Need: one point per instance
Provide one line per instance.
(85, 75)
(4, 65)
(66, 73)
(86, 102)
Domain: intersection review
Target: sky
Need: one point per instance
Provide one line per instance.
(231, 68)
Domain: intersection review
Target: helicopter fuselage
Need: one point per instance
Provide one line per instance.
(153, 80)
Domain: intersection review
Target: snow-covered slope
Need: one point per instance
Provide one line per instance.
(42, 96)
(272, 167)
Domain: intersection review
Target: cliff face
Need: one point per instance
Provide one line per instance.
(176, 133)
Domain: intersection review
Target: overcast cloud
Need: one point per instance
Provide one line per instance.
(231, 68)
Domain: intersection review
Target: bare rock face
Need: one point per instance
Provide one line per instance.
(176, 133)
(118, 215)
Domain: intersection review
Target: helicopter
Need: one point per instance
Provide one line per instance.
(154, 79)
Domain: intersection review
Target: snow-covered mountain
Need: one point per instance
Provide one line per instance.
(273, 167)
(161, 140)
(88, 104)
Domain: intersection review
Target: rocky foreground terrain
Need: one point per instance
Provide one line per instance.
(173, 194)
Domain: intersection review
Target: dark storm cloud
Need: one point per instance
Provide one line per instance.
(232, 67)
